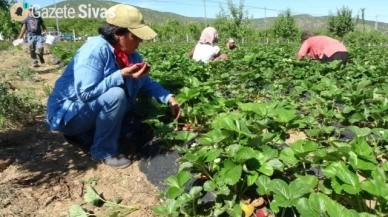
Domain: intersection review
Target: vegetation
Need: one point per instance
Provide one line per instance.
(240, 114)
(285, 26)
(8, 28)
(341, 24)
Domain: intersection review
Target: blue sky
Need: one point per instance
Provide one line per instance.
(195, 8)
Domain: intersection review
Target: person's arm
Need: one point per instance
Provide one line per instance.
(22, 31)
(303, 50)
(43, 26)
(89, 80)
(154, 89)
(217, 52)
(191, 53)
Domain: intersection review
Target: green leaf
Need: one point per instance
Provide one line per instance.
(160, 210)
(185, 136)
(77, 211)
(91, 196)
(260, 109)
(262, 139)
(114, 213)
(356, 117)
(209, 185)
(233, 175)
(372, 187)
(179, 180)
(298, 188)
(276, 164)
(185, 165)
(213, 137)
(303, 207)
(171, 205)
(195, 191)
(318, 204)
(361, 147)
(224, 190)
(269, 152)
(280, 188)
(285, 116)
(347, 109)
(212, 154)
(263, 183)
(236, 211)
(174, 192)
(302, 148)
(360, 132)
(252, 177)
(244, 153)
(287, 155)
(183, 177)
(113, 202)
(313, 132)
(266, 169)
(232, 150)
(342, 172)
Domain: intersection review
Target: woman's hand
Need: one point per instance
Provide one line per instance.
(136, 71)
(175, 108)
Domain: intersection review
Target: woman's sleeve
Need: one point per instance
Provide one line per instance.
(89, 76)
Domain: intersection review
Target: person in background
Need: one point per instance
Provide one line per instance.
(322, 48)
(206, 49)
(230, 44)
(34, 25)
(97, 91)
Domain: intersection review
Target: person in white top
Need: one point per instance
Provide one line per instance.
(206, 49)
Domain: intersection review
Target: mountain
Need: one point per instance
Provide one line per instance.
(306, 21)
(95, 9)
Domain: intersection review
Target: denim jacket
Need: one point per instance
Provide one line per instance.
(92, 71)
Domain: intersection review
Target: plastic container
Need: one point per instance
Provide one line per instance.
(18, 42)
(50, 39)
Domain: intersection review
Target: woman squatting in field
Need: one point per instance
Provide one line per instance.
(99, 86)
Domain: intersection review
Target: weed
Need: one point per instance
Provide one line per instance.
(24, 72)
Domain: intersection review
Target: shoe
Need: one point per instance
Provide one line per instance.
(119, 161)
(41, 59)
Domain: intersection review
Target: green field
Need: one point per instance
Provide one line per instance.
(241, 113)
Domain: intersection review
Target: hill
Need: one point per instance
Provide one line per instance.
(94, 9)
(306, 21)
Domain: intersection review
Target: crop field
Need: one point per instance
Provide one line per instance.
(261, 134)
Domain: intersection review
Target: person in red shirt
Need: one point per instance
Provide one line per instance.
(323, 48)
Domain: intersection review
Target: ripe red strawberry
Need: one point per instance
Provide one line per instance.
(260, 213)
(138, 65)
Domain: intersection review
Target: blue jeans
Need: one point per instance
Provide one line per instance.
(36, 42)
(102, 120)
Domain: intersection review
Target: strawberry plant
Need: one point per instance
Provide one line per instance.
(243, 160)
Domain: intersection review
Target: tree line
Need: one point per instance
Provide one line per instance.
(231, 21)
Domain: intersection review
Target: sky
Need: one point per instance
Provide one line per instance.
(374, 9)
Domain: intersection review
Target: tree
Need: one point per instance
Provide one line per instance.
(233, 23)
(285, 26)
(342, 23)
(363, 17)
(8, 28)
(194, 31)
